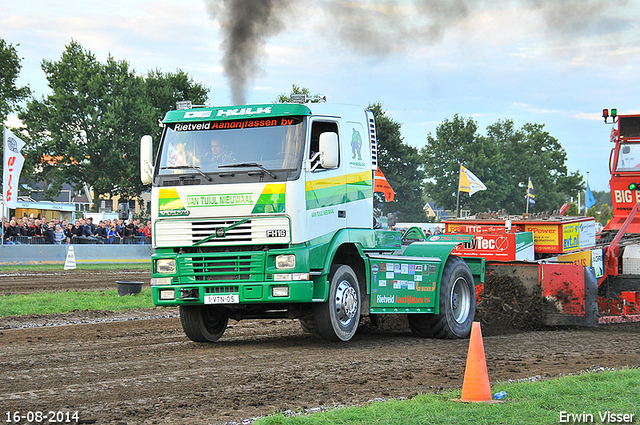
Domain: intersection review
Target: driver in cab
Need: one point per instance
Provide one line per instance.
(220, 154)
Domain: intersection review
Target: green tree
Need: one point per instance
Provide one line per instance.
(592, 212)
(163, 90)
(504, 160)
(543, 160)
(10, 94)
(10, 66)
(456, 143)
(572, 211)
(296, 89)
(605, 214)
(90, 126)
(401, 165)
(602, 197)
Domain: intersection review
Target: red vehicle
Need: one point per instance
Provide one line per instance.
(624, 166)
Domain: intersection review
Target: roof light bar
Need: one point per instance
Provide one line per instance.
(614, 115)
(298, 98)
(186, 104)
(303, 98)
(183, 104)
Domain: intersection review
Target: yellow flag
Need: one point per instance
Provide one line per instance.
(469, 182)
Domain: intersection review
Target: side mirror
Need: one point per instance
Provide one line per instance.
(146, 159)
(329, 150)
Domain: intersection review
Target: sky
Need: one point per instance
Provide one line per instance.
(551, 62)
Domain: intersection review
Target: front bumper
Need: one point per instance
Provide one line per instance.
(234, 277)
(233, 293)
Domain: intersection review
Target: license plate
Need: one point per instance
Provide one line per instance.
(222, 299)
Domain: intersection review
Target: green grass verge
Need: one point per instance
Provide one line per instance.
(588, 396)
(79, 266)
(64, 302)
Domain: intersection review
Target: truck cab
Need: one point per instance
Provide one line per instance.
(266, 211)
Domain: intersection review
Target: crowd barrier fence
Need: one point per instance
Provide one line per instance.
(84, 253)
(115, 240)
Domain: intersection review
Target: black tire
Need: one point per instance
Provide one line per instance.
(203, 323)
(457, 305)
(308, 324)
(337, 318)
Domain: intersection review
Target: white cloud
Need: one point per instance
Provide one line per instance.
(12, 121)
(530, 108)
(588, 116)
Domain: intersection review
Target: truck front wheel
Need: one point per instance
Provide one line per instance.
(203, 323)
(337, 318)
(457, 305)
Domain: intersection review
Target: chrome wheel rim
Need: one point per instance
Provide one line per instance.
(346, 303)
(460, 300)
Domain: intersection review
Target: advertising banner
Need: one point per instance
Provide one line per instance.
(499, 247)
(590, 258)
(546, 236)
(406, 286)
(12, 165)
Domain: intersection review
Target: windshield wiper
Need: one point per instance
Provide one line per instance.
(249, 164)
(190, 167)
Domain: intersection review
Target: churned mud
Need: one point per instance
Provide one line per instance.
(138, 367)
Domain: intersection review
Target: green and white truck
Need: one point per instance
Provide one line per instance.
(267, 211)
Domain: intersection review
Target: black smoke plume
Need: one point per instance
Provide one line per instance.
(382, 27)
(247, 24)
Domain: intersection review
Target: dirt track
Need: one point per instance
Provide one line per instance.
(71, 280)
(122, 371)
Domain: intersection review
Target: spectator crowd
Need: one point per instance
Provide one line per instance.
(29, 230)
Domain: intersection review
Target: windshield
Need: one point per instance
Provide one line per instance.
(274, 144)
(629, 157)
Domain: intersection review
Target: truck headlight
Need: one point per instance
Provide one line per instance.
(285, 261)
(166, 265)
(280, 291)
(159, 281)
(167, 294)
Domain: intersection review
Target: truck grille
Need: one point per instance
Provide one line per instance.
(221, 290)
(223, 267)
(238, 234)
(270, 230)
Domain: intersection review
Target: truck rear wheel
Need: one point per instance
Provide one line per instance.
(203, 323)
(337, 318)
(457, 305)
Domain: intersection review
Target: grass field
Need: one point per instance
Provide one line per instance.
(608, 397)
(64, 302)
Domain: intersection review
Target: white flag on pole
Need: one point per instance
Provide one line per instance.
(11, 167)
(469, 182)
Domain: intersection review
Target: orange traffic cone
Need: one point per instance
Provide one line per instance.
(475, 387)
